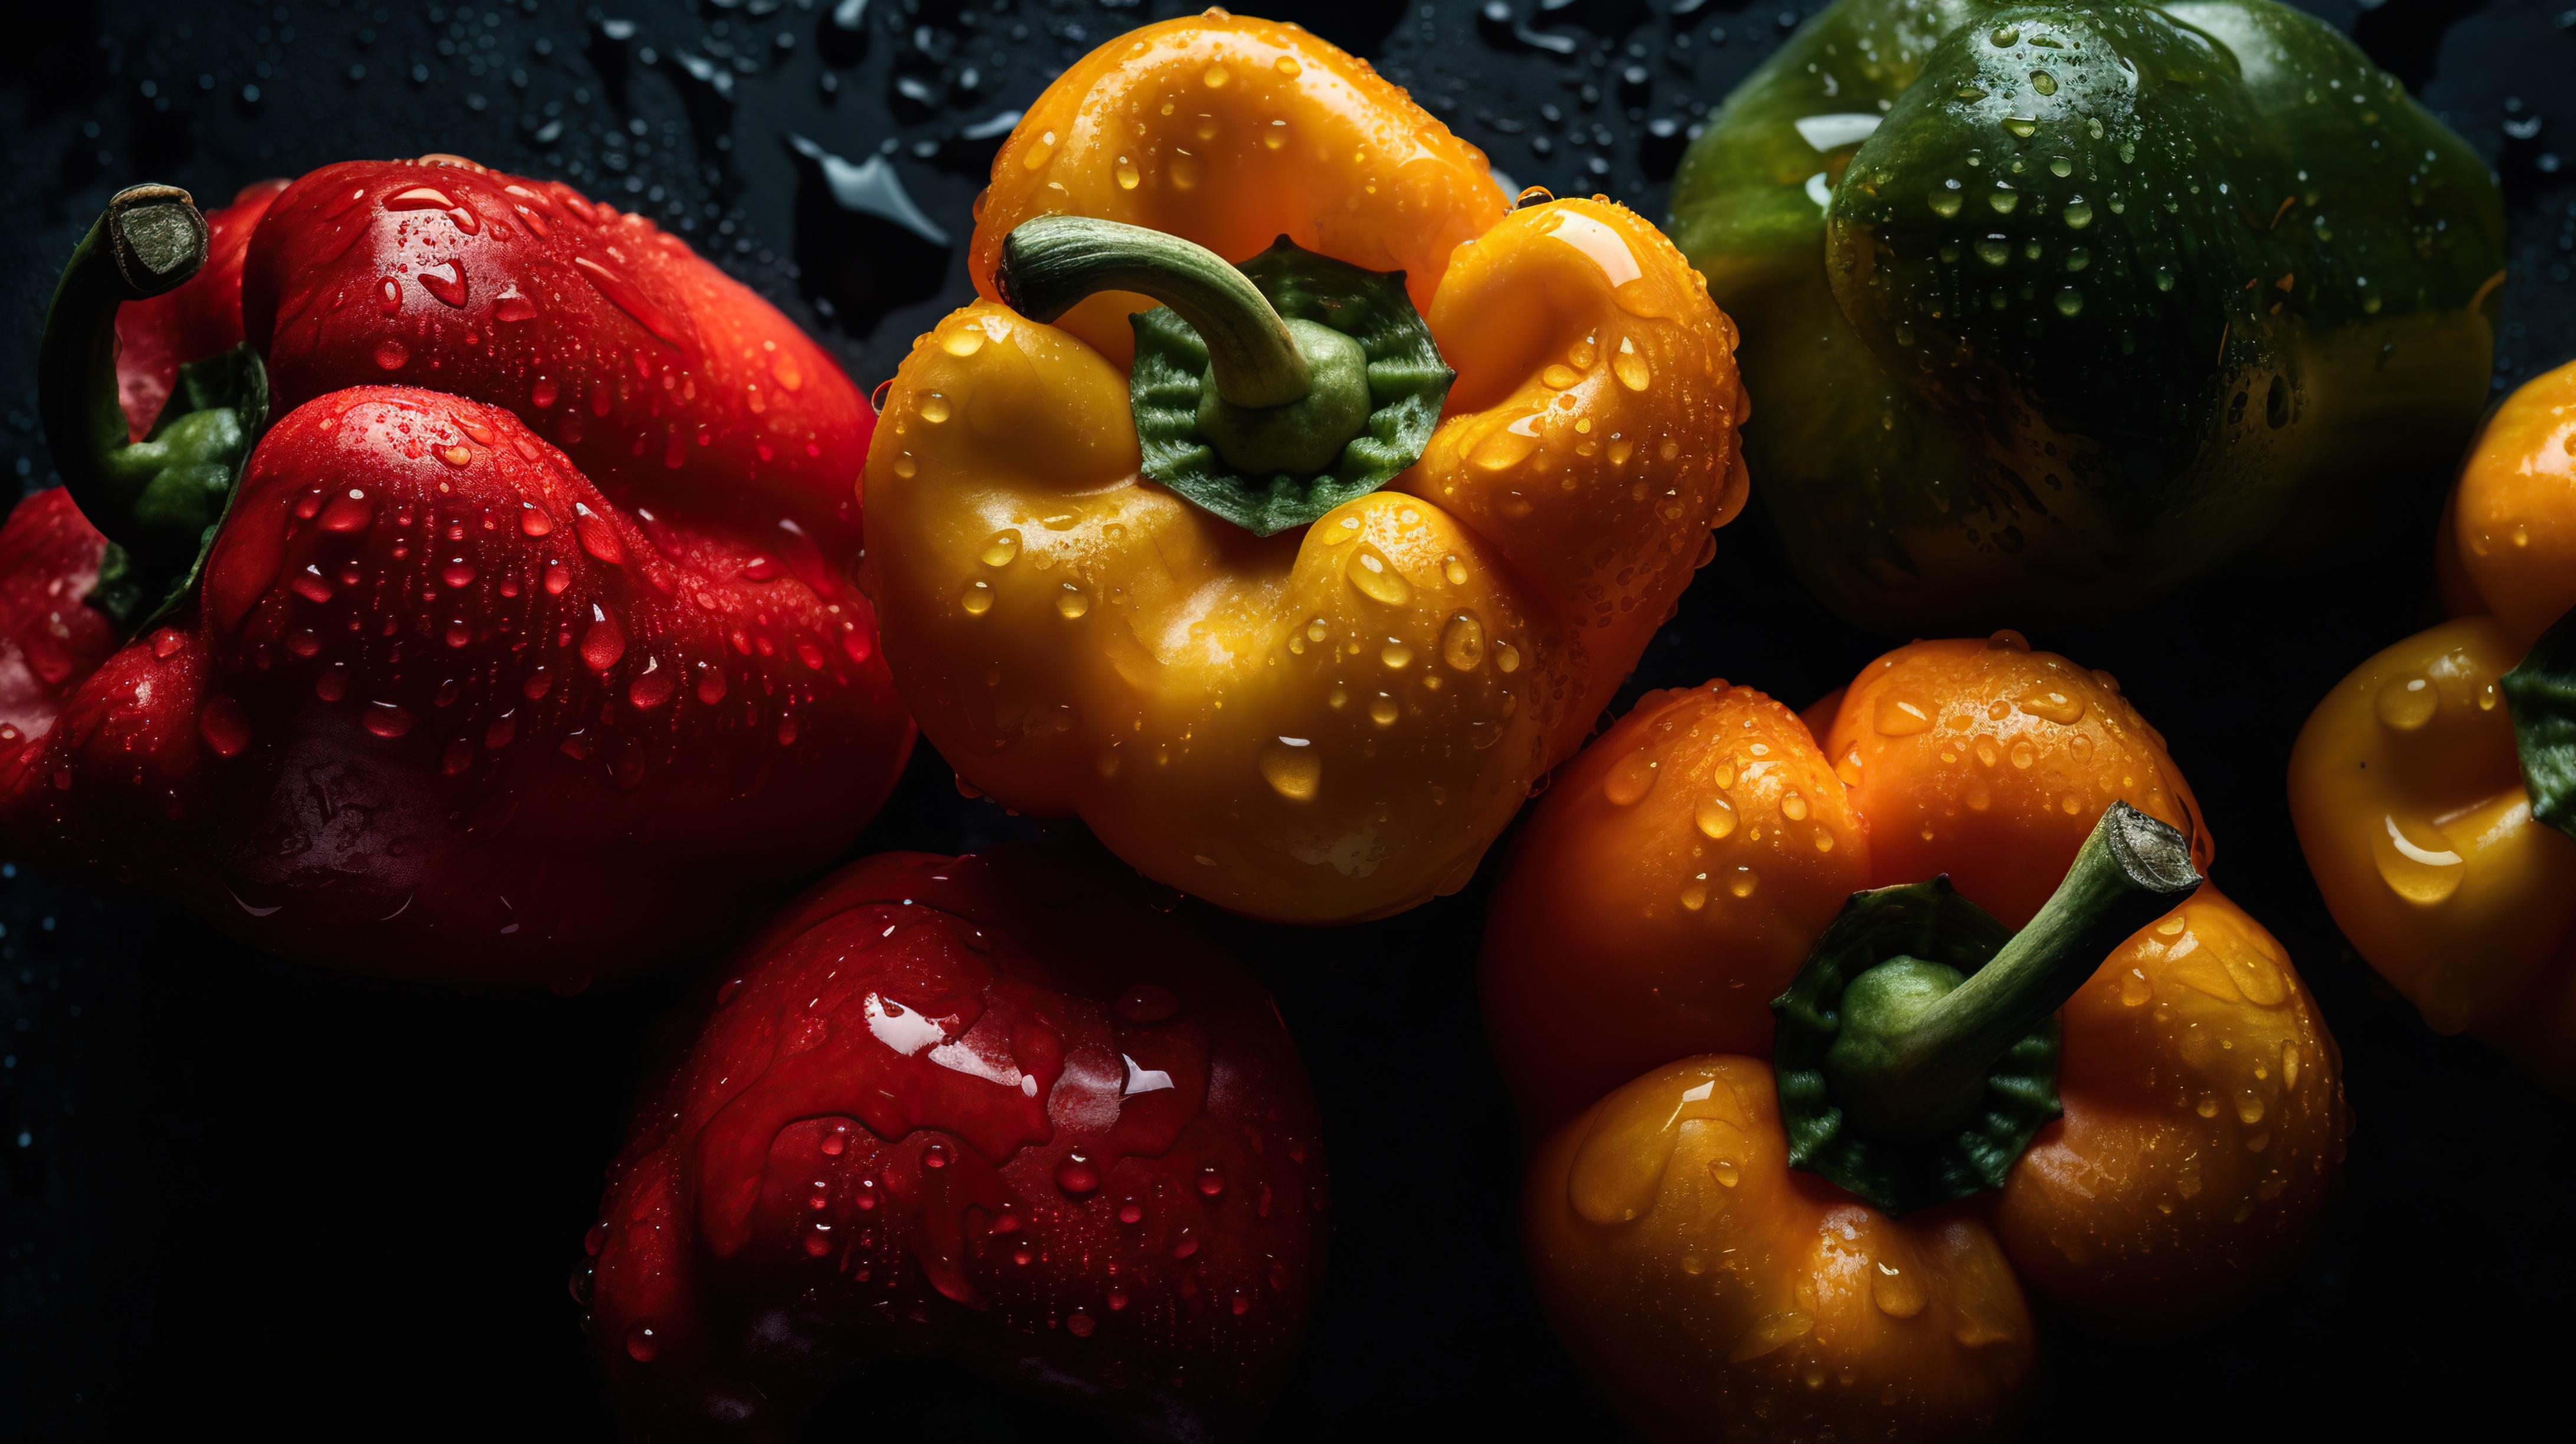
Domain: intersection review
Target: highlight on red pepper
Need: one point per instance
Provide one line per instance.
(993, 1109)
(1292, 586)
(479, 580)
(2432, 787)
(1830, 1054)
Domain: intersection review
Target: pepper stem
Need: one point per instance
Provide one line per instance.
(160, 499)
(1917, 1042)
(1052, 262)
(148, 241)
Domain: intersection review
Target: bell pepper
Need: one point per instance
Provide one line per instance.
(1289, 615)
(518, 647)
(2057, 306)
(1830, 1055)
(993, 1109)
(2431, 787)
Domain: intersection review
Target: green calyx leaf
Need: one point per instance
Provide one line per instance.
(1379, 382)
(2540, 692)
(1916, 1050)
(181, 480)
(1911, 930)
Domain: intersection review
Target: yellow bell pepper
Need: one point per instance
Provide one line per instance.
(2413, 784)
(1334, 720)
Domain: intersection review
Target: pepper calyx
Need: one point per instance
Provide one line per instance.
(1916, 1050)
(1267, 393)
(2540, 693)
(160, 500)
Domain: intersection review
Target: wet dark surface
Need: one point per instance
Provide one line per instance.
(234, 1191)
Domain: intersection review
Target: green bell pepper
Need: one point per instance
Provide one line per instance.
(2051, 308)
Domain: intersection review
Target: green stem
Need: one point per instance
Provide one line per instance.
(148, 241)
(1916, 1045)
(1053, 262)
(158, 500)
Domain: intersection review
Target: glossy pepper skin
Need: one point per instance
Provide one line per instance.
(525, 652)
(993, 1109)
(1335, 721)
(1712, 1292)
(2060, 305)
(2406, 787)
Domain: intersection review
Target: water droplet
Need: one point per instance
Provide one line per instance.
(651, 687)
(1631, 777)
(2005, 202)
(1793, 805)
(224, 725)
(1717, 818)
(2060, 166)
(543, 393)
(604, 643)
(1128, 176)
(1395, 654)
(2022, 126)
(1215, 77)
(2406, 703)
(2043, 82)
(1897, 717)
(391, 354)
(1382, 710)
(1376, 578)
(1744, 882)
(978, 598)
(1077, 1178)
(1507, 658)
(1287, 65)
(514, 307)
(2055, 706)
(1725, 1172)
(446, 281)
(1292, 768)
(2005, 37)
(350, 511)
(1629, 367)
(1993, 251)
(2070, 302)
(387, 720)
(1945, 203)
(1072, 602)
(1462, 645)
(1184, 171)
(622, 294)
(597, 537)
(1898, 1293)
(1002, 547)
(641, 1346)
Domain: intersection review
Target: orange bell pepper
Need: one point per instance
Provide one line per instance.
(1332, 720)
(2412, 783)
(1672, 883)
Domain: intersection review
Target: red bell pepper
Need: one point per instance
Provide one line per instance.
(523, 648)
(993, 1109)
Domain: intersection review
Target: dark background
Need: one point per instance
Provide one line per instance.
(235, 1191)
